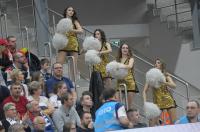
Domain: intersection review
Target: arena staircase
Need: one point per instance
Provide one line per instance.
(176, 13)
(21, 24)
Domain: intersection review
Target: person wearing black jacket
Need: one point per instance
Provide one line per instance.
(4, 93)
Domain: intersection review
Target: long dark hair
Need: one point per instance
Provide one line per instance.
(74, 17)
(119, 55)
(103, 36)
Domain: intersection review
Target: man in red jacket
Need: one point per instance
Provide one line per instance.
(16, 98)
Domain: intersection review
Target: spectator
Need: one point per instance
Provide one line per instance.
(39, 124)
(86, 123)
(59, 89)
(37, 76)
(134, 117)
(19, 62)
(86, 104)
(4, 93)
(44, 69)
(35, 92)
(18, 77)
(111, 115)
(66, 113)
(57, 69)
(69, 127)
(192, 111)
(35, 111)
(16, 98)
(9, 51)
(11, 117)
(17, 127)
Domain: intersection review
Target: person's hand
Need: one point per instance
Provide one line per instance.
(26, 65)
(90, 125)
(25, 117)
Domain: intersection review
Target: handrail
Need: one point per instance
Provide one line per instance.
(50, 51)
(171, 5)
(143, 60)
(74, 69)
(178, 13)
(4, 15)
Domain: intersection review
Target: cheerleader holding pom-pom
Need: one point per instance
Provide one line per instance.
(161, 82)
(126, 59)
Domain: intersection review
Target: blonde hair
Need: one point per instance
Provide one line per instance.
(14, 74)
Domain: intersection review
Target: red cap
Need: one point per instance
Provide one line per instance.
(3, 42)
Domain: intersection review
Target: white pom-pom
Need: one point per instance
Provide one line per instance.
(154, 78)
(64, 26)
(151, 110)
(92, 57)
(59, 41)
(115, 70)
(91, 43)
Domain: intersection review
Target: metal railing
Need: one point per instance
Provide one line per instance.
(4, 25)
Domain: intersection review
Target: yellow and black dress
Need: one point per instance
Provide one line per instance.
(101, 67)
(72, 45)
(163, 98)
(129, 80)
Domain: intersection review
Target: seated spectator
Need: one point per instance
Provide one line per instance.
(44, 69)
(18, 77)
(66, 113)
(11, 117)
(59, 89)
(35, 92)
(4, 93)
(192, 111)
(16, 98)
(35, 111)
(39, 124)
(57, 69)
(37, 76)
(19, 62)
(134, 117)
(69, 127)
(86, 104)
(86, 123)
(17, 127)
(9, 51)
(112, 114)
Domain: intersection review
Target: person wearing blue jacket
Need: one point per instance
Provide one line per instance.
(112, 114)
(192, 112)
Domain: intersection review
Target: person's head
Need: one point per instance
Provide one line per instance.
(10, 110)
(17, 75)
(60, 87)
(19, 58)
(57, 69)
(124, 49)
(33, 106)
(67, 99)
(16, 89)
(133, 115)
(86, 99)
(17, 127)
(100, 35)
(109, 93)
(160, 65)
(37, 76)
(11, 45)
(192, 109)
(70, 13)
(69, 127)
(86, 118)
(39, 123)
(35, 88)
(44, 64)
